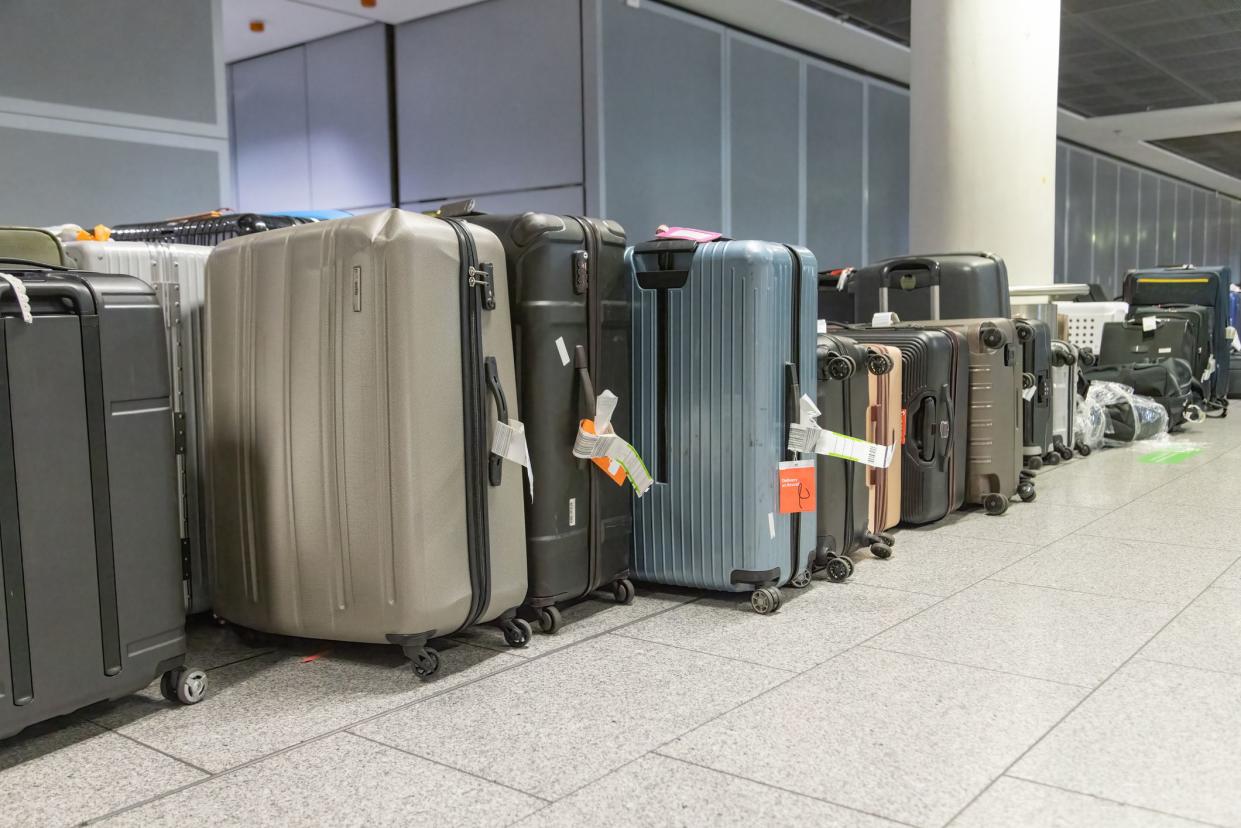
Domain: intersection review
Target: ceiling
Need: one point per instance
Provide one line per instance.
(1122, 61)
(290, 22)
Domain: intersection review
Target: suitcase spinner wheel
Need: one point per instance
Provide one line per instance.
(766, 600)
(995, 503)
(186, 685)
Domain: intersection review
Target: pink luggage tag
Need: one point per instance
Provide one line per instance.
(687, 233)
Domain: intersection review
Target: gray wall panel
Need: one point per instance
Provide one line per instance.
(662, 148)
(490, 97)
(272, 149)
(1184, 223)
(1148, 220)
(1127, 221)
(1223, 229)
(563, 200)
(887, 165)
(833, 168)
(1166, 252)
(1106, 185)
(1197, 243)
(1234, 250)
(1210, 232)
(765, 109)
(103, 180)
(347, 119)
(1062, 190)
(1078, 248)
(145, 57)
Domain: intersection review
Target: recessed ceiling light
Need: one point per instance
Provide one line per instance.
(257, 25)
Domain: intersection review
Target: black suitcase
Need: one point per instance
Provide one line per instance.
(569, 284)
(1168, 381)
(93, 603)
(935, 394)
(1036, 353)
(1189, 285)
(973, 286)
(836, 296)
(206, 230)
(843, 501)
(1132, 341)
(1199, 322)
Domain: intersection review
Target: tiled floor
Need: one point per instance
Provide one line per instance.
(1075, 662)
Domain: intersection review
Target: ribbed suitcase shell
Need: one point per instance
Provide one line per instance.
(1081, 323)
(203, 230)
(885, 426)
(1035, 337)
(1190, 285)
(993, 461)
(843, 513)
(177, 273)
(92, 606)
(935, 367)
(334, 421)
(731, 329)
(579, 523)
(1065, 368)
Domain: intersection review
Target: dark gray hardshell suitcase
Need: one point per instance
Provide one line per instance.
(935, 394)
(92, 604)
(1036, 351)
(843, 366)
(568, 280)
(724, 346)
(836, 296)
(972, 286)
(1189, 285)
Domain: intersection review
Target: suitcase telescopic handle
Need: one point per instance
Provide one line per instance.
(586, 388)
(495, 463)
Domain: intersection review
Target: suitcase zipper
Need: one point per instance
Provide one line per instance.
(594, 349)
(476, 292)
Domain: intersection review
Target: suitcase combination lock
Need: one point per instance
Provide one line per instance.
(481, 277)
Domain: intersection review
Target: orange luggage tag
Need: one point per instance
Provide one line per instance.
(614, 470)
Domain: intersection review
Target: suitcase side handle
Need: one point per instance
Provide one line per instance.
(495, 463)
(946, 440)
(586, 388)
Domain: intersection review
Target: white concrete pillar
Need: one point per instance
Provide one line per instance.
(982, 134)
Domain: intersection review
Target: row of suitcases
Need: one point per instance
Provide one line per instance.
(344, 392)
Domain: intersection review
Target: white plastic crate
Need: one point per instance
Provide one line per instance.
(1084, 321)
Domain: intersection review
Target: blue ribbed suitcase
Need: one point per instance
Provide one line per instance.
(724, 346)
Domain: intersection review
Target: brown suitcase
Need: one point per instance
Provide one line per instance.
(885, 426)
(994, 460)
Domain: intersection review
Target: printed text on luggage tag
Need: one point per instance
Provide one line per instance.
(796, 486)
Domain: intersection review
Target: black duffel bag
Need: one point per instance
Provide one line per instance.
(1170, 382)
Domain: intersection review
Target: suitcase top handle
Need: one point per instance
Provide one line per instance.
(663, 263)
(55, 286)
(909, 274)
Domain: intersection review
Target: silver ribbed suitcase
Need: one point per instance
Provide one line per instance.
(724, 346)
(176, 272)
(356, 372)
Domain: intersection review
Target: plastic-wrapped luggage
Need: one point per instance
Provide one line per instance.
(360, 403)
(1130, 417)
(1168, 382)
(973, 286)
(570, 289)
(1090, 423)
(93, 606)
(177, 274)
(844, 370)
(724, 347)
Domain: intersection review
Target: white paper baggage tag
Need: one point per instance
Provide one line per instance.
(1149, 323)
(562, 350)
(806, 436)
(19, 290)
(884, 319)
(1028, 393)
(605, 444)
(822, 326)
(509, 441)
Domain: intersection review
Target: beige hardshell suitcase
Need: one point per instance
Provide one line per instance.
(356, 372)
(885, 426)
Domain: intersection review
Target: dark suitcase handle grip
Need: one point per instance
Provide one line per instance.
(32, 263)
(914, 263)
(585, 386)
(947, 440)
(926, 427)
(60, 287)
(792, 407)
(663, 263)
(495, 463)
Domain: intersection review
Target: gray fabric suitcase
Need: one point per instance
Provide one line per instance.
(92, 604)
(177, 273)
(356, 372)
(724, 346)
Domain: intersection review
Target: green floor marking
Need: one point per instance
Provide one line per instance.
(1168, 456)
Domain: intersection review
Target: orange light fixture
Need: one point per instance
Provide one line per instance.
(257, 25)
(369, 4)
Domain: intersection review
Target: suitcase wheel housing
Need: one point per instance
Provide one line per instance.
(549, 619)
(1025, 491)
(766, 600)
(995, 504)
(517, 631)
(186, 685)
(623, 591)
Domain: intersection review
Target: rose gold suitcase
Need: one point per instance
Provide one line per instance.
(884, 425)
